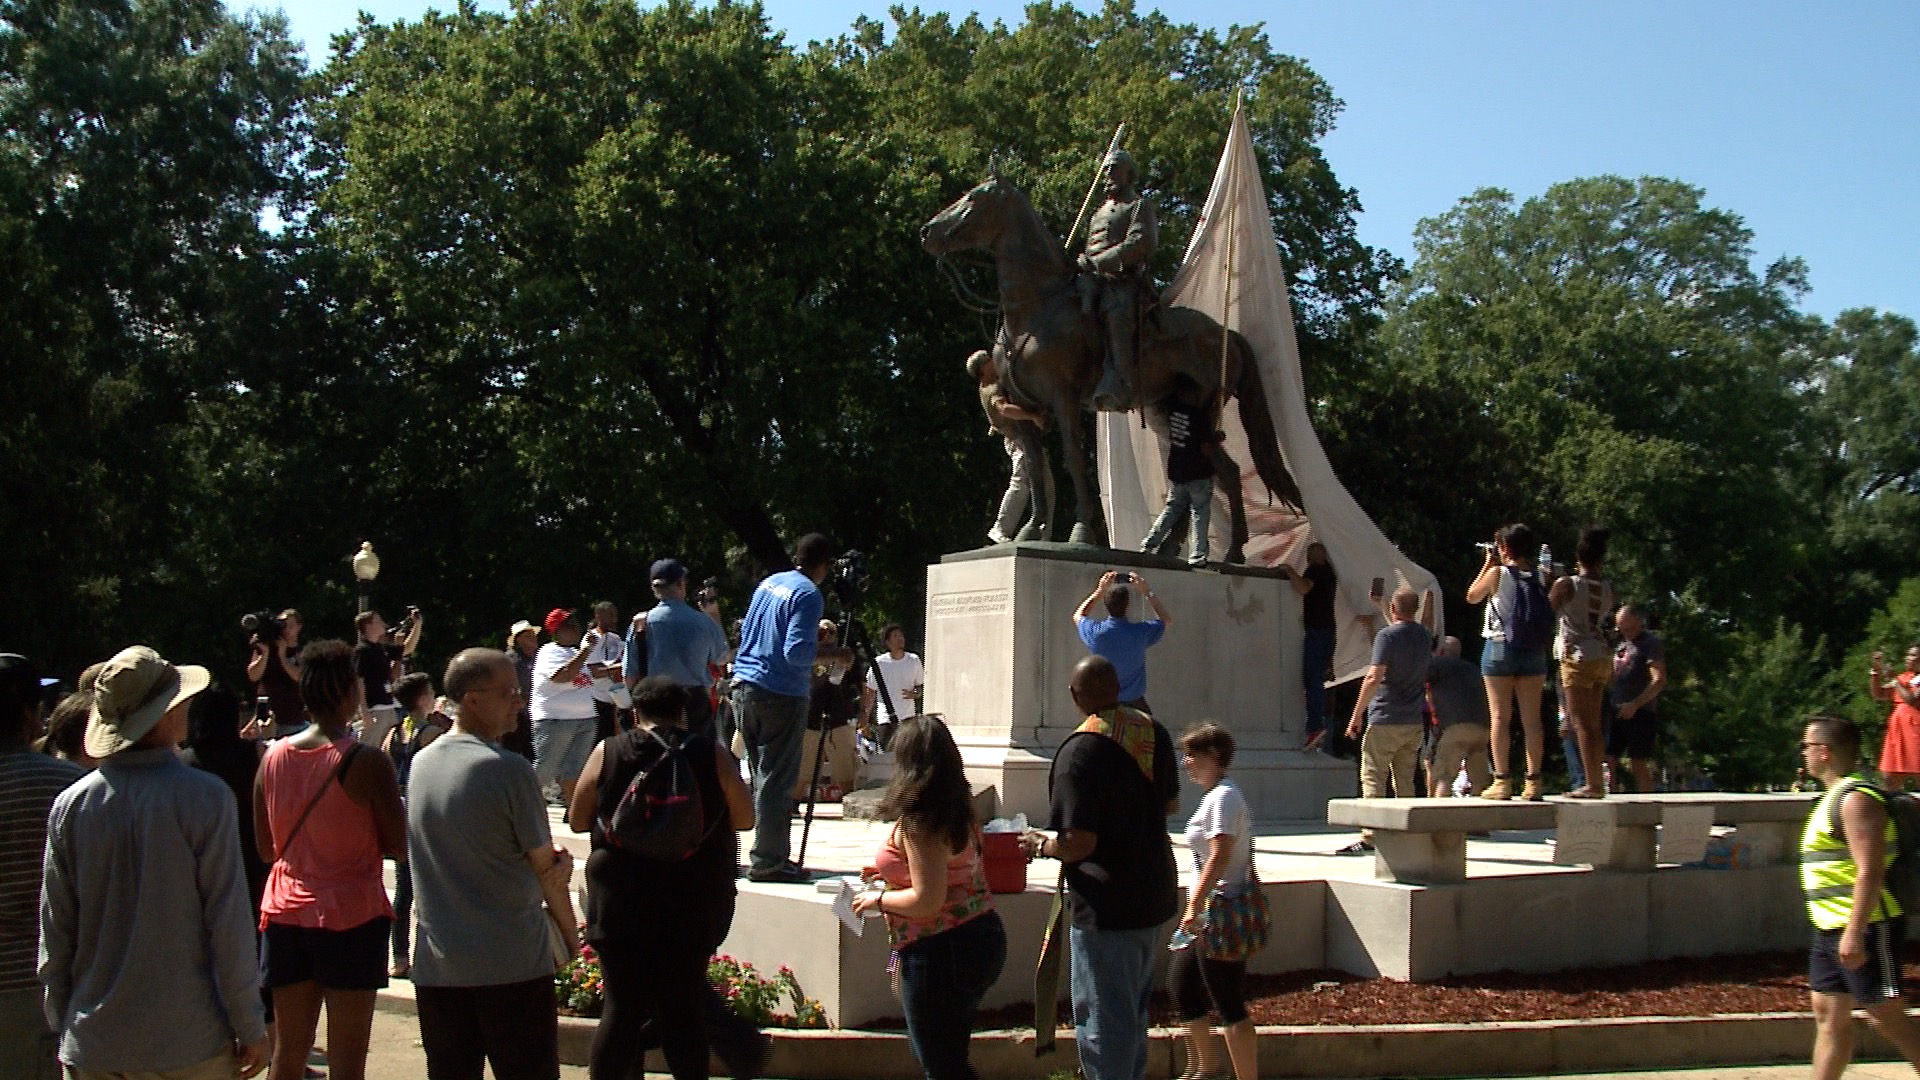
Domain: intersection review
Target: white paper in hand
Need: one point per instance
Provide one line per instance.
(843, 910)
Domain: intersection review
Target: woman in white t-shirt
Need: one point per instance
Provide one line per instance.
(1220, 835)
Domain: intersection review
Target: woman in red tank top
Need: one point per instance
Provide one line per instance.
(948, 941)
(325, 814)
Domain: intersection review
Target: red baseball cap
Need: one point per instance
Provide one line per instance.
(557, 618)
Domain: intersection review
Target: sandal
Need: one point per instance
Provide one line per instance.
(400, 971)
(1586, 793)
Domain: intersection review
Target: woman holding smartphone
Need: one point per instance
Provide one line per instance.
(1510, 665)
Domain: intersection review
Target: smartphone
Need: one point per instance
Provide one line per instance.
(1379, 587)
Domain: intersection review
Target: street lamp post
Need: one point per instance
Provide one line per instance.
(366, 567)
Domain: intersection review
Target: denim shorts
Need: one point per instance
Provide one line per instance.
(1500, 660)
(560, 748)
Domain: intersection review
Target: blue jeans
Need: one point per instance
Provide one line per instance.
(774, 727)
(1195, 497)
(942, 979)
(560, 749)
(1316, 656)
(1112, 980)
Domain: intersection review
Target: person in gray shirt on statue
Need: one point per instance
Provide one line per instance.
(483, 860)
(1460, 709)
(1390, 703)
(147, 947)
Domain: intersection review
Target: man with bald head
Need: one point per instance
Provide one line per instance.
(483, 860)
(1114, 782)
(1389, 706)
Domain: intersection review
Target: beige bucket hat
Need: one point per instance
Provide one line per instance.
(135, 689)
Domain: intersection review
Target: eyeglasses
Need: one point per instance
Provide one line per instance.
(511, 689)
(1811, 745)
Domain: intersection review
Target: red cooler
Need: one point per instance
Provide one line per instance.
(1006, 863)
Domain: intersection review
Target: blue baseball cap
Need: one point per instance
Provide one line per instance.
(668, 572)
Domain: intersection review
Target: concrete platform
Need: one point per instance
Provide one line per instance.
(1517, 911)
(1001, 645)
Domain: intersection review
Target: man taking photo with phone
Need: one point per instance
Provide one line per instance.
(1123, 642)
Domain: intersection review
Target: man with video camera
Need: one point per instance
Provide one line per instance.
(772, 683)
(273, 667)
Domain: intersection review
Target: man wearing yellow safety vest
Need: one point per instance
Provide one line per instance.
(1857, 922)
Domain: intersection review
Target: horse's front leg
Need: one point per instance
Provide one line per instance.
(1039, 524)
(1089, 526)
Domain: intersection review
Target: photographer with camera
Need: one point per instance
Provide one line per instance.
(380, 659)
(772, 683)
(1123, 642)
(273, 667)
(681, 643)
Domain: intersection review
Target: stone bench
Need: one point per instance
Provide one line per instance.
(1424, 841)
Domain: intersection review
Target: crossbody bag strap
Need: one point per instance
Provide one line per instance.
(337, 775)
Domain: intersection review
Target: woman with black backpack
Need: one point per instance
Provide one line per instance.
(1517, 628)
(664, 808)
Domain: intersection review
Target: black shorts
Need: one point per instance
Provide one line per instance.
(1875, 982)
(1632, 736)
(353, 959)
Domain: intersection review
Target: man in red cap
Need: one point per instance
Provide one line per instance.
(562, 706)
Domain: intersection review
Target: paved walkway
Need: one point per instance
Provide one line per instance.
(396, 1055)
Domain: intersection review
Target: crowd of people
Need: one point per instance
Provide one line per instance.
(1542, 629)
(186, 888)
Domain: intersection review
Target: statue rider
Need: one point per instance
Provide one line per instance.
(1120, 241)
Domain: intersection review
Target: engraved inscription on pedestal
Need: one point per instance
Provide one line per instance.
(960, 605)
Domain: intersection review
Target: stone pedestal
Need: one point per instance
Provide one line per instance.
(1001, 645)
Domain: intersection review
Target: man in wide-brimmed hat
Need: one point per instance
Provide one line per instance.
(143, 866)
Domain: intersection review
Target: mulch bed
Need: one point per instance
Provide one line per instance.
(1704, 986)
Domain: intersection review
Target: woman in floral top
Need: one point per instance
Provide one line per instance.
(948, 941)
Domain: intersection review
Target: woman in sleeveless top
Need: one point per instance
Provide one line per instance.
(324, 816)
(1583, 603)
(1900, 753)
(1509, 672)
(654, 924)
(948, 941)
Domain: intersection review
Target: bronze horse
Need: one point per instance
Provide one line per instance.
(1049, 354)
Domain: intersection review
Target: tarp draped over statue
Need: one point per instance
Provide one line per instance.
(1133, 479)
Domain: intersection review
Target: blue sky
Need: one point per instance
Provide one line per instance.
(1802, 118)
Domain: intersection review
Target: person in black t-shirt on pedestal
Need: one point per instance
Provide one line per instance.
(1114, 782)
(1190, 442)
(1316, 585)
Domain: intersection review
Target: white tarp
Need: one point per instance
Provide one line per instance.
(1133, 479)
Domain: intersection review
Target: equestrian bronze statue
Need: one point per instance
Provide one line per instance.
(1051, 350)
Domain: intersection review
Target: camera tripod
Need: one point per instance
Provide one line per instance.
(854, 633)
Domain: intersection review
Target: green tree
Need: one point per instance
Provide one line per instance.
(1614, 357)
(139, 146)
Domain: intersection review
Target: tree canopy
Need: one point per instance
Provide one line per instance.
(533, 298)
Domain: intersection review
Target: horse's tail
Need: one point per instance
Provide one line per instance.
(1262, 441)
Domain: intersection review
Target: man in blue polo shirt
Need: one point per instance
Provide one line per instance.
(679, 642)
(1122, 642)
(772, 681)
